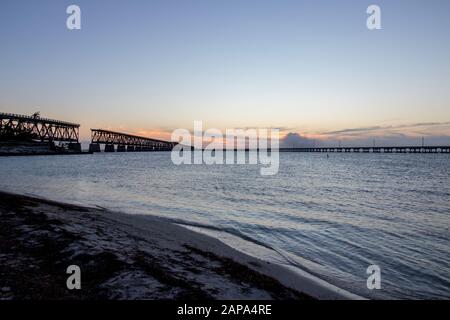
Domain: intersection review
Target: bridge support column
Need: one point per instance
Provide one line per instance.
(130, 148)
(94, 147)
(75, 147)
(121, 149)
(109, 148)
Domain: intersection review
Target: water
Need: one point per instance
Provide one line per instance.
(332, 217)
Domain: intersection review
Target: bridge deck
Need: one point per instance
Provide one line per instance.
(399, 149)
(17, 117)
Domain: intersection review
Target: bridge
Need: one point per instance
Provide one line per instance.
(400, 149)
(20, 127)
(125, 142)
(26, 128)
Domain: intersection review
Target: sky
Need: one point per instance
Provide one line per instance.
(311, 68)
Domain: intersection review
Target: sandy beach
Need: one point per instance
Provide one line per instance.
(124, 256)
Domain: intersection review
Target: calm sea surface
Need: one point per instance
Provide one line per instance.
(330, 216)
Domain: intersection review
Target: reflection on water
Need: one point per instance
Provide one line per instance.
(332, 216)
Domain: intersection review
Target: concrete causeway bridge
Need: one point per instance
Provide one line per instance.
(125, 142)
(400, 149)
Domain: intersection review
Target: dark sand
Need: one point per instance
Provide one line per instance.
(121, 257)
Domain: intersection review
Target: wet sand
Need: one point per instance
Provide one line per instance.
(124, 256)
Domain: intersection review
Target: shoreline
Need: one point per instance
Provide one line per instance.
(32, 148)
(124, 256)
(43, 154)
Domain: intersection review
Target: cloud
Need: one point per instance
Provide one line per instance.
(295, 140)
(280, 128)
(435, 133)
(375, 129)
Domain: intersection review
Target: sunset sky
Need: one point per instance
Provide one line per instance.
(310, 68)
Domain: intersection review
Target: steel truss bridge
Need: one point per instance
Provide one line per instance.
(15, 126)
(126, 142)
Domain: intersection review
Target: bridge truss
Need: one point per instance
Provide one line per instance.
(99, 136)
(15, 126)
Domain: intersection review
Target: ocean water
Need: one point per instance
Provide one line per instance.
(332, 217)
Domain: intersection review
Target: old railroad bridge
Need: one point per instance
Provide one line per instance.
(22, 128)
(14, 126)
(125, 142)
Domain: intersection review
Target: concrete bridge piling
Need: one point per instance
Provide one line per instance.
(109, 148)
(94, 147)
